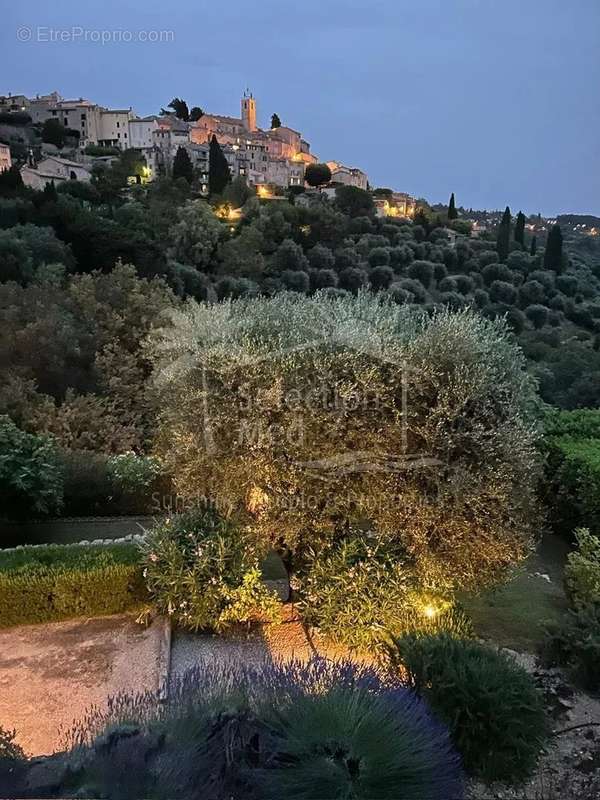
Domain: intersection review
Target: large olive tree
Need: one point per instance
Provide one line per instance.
(313, 415)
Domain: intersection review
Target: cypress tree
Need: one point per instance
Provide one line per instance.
(49, 193)
(553, 256)
(503, 241)
(452, 212)
(218, 168)
(520, 229)
(182, 165)
(533, 248)
(275, 121)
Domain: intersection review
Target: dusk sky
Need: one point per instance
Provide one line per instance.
(496, 100)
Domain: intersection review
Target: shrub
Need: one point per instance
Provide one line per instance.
(321, 257)
(88, 486)
(537, 315)
(490, 704)
(575, 645)
(31, 477)
(440, 271)
(190, 281)
(482, 298)
(9, 749)
(54, 582)
(572, 485)
(415, 287)
(323, 278)
(353, 279)
(487, 257)
(204, 572)
(401, 256)
(515, 319)
(379, 257)
(582, 571)
(381, 277)
(400, 295)
(358, 589)
(557, 302)
(497, 272)
(421, 271)
(448, 284)
(346, 258)
(531, 292)
(97, 484)
(464, 284)
(567, 284)
(12, 763)
(133, 473)
(296, 280)
(453, 300)
(295, 730)
(503, 292)
(269, 363)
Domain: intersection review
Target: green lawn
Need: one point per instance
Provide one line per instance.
(515, 614)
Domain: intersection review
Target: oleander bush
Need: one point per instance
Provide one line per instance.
(54, 582)
(31, 476)
(361, 588)
(298, 730)
(492, 708)
(291, 408)
(582, 571)
(203, 571)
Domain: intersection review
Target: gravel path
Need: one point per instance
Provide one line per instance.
(269, 642)
(50, 674)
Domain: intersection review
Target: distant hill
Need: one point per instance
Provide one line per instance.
(578, 219)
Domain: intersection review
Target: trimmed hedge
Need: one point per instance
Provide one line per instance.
(56, 582)
(573, 470)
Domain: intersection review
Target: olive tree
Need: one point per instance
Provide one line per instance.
(308, 415)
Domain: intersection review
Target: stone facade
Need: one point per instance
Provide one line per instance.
(5, 160)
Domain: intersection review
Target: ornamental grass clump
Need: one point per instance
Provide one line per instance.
(203, 571)
(303, 731)
(311, 414)
(492, 708)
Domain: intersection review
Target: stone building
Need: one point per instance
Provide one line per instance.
(5, 160)
(54, 170)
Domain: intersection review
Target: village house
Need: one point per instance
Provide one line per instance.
(53, 170)
(5, 160)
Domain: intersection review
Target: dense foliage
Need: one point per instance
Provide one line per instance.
(572, 478)
(300, 731)
(490, 704)
(203, 571)
(360, 588)
(54, 582)
(574, 643)
(582, 571)
(72, 361)
(549, 297)
(311, 413)
(31, 474)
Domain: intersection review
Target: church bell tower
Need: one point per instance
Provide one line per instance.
(249, 111)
